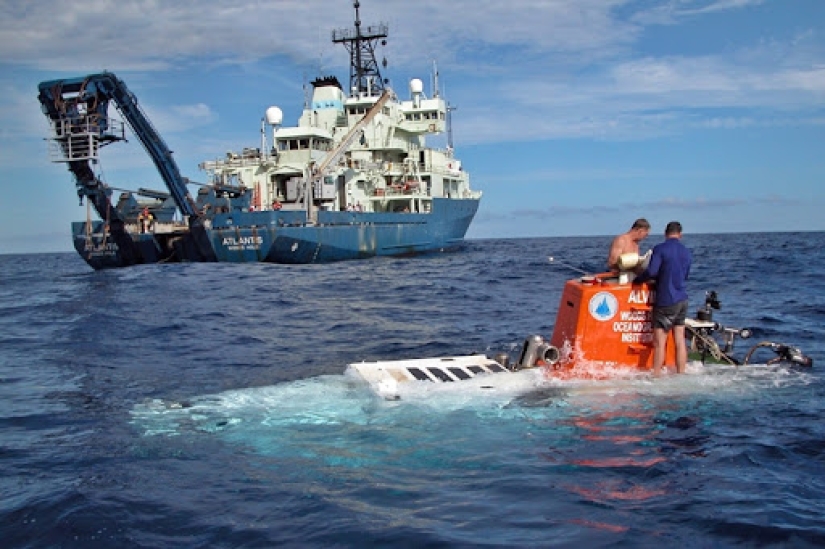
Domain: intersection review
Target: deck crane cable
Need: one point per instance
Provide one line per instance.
(88, 224)
(106, 226)
(100, 182)
(59, 104)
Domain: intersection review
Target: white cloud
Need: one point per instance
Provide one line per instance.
(550, 68)
(181, 118)
(673, 12)
(153, 35)
(710, 6)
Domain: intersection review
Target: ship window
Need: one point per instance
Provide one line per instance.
(494, 366)
(303, 144)
(476, 369)
(418, 374)
(459, 373)
(440, 374)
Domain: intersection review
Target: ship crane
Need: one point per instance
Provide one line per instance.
(77, 109)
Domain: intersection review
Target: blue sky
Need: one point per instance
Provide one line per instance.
(574, 117)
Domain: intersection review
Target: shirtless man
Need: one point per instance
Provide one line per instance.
(628, 242)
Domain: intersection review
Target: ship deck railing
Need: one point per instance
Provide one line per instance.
(236, 161)
(80, 138)
(398, 190)
(159, 227)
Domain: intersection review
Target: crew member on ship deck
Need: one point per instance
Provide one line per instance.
(627, 242)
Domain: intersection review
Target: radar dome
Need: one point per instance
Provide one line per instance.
(274, 116)
(416, 86)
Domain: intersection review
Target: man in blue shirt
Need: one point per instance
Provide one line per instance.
(669, 267)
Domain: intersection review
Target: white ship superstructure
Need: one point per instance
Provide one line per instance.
(386, 168)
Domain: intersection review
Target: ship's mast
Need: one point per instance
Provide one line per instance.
(365, 76)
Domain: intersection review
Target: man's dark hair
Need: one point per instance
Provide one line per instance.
(640, 223)
(674, 227)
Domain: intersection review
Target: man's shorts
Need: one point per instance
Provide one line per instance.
(672, 315)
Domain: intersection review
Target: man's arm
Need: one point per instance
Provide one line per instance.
(615, 252)
(652, 270)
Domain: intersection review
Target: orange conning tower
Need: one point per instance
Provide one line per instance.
(606, 320)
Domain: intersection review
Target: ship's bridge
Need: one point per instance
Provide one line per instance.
(424, 115)
(303, 138)
(361, 104)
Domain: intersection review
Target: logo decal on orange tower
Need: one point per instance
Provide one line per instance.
(603, 306)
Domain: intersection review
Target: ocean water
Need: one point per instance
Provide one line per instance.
(209, 405)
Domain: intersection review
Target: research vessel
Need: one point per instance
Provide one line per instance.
(353, 179)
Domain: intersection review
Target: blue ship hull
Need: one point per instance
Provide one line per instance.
(285, 237)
